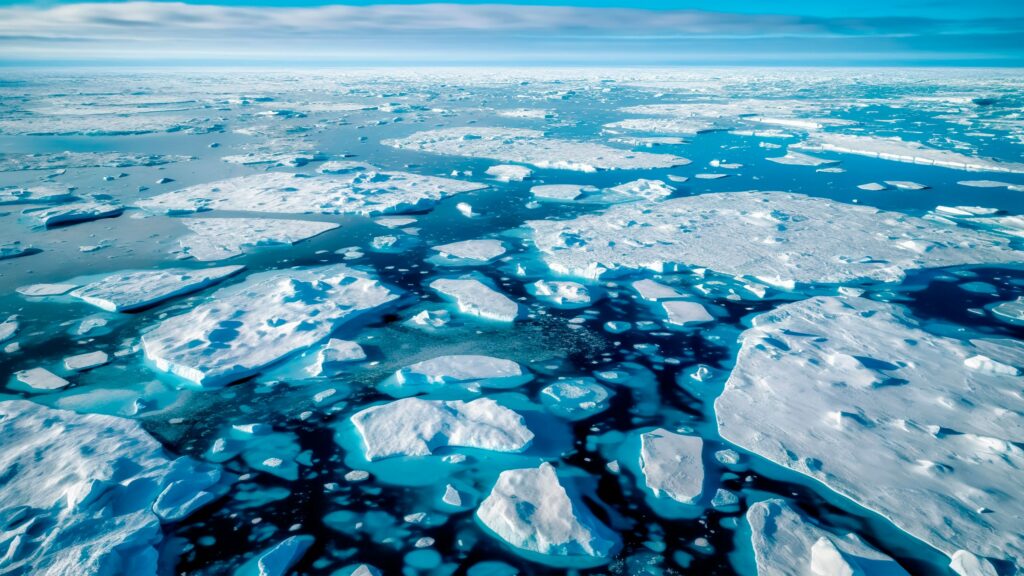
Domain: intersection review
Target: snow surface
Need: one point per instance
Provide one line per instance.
(417, 427)
(531, 147)
(367, 193)
(127, 291)
(824, 385)
(86, 494)
(268, 317)
(531, 510)
(777, 237)
(786, 543)
(220, 238)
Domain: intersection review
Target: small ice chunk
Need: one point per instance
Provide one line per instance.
(127, 291)
(684, 312)
(873, 187)
(531, 510)
(86, 361)
(786, 543)
(416, 427)
(643, 188)
(278, 559)
(672, 465)
(560, 192)
(462, 369)
(466, 209)
(905, 185)
(1011, 311)
(561, 293)
(40, 379)
(475, 298)
(966, 564)
(799, 159)
(8, 328)
(509, 173)
(575, 398)
(473, 250)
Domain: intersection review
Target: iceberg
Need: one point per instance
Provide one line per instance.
(86, 493)
(823, 385)
(778, 238)
(786, 543)
(220, 238)
(531, 510)
(417, 427)
(127, 291)
(475, 298)
(366, 193)
(261, 321)
(672, 465)
(903, 151)
(531, 147)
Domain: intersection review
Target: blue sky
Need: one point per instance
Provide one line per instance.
(563, 32)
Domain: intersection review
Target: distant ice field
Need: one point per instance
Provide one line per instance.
(512, 321)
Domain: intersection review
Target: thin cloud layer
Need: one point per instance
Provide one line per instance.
(159, 30)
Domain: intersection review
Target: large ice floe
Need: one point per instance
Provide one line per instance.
(466, 371)
(221, 238)
(779, 238)
(904, 151)
(256, 323)
(126, 291)
(368, 193)
(532, 510)
(923, 429)
(417, 427)
(86, 494)
(786, 543)
(531, 147)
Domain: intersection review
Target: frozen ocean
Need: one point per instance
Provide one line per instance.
(515, 321)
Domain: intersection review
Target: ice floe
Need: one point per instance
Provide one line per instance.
(467, 371)
(268, 317)
(672, 465)
(74, 213)
(575, 398)
(475, 298)
(40, 379)
(798, 159)
(86, 361)
(776, 237)
(417, 427)
(531, 147)
(904, 151)
(560, 192)
(86, 494)
(126, 291)
(824, 385)
(562, 293)
(220, 238)
(531, 510)
(509, 173)
(368, 193)
(786, 543)
(471, 251)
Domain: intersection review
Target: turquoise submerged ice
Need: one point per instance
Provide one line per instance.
(523, 321)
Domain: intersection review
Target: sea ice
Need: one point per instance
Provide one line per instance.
(334, 355)
(471, 371)
(416, 427)
(822, 386)
(63, 160)
(89, 360)
(904, 151)
(509, 173)
(562, 294)
(672, 465)
(220, 238)
(643, 188)
(575, 398)
(778, 238)
(476, 251)
(1011, 312)
(85, 493)
(126, 291)
(367, 193)
(43, 290)
(278, 559)
(797, 159)
(475, 298)
(786, 543)
(531, 147)
(530, 509)
(75, 213)
(560, 192)
(40, 379)
(684, 312)
(268, 317)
